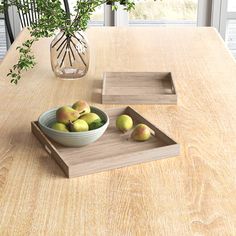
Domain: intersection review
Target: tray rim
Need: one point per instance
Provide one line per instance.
(173, 147)
(172, 98)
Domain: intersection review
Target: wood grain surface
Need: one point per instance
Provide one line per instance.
(194, 194)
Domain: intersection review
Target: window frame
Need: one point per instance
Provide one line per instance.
(220, 16)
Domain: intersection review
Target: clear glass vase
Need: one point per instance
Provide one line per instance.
(70, 55)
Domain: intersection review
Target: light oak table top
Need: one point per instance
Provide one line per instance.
(193, 194)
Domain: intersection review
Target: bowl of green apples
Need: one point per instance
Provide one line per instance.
(74, 126)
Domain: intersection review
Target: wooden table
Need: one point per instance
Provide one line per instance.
(194, 193)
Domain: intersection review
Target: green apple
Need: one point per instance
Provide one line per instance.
(59, 127)
(124, 123)
(90, 118)
(79, 126)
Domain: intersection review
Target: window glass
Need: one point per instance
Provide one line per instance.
(164, 12)
(3, 43)
(97, 17)
(231, 36)
(232, 5)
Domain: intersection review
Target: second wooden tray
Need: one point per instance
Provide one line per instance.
(138, 88)
(113, 150)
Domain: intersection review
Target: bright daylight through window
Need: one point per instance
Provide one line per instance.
(97, 19)
(231, 27)
(159, 12)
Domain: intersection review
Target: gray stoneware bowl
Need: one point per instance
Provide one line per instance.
(72, 139)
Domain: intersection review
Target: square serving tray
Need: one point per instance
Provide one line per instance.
(138, 88)
(113, 150)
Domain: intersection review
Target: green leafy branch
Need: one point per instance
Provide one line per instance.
(26, 61)
(53, 17)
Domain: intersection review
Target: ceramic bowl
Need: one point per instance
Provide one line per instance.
(72, 139)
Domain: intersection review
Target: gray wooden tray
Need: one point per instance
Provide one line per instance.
(113, 150)
(138, 88)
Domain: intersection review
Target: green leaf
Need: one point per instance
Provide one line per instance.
(96, 124)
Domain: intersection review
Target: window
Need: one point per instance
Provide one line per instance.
(224, 19)
(231, 6)
(167, 12)
(97, 19)
(218, 13)
(3, 43)
(230, 33)
(231, 36)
